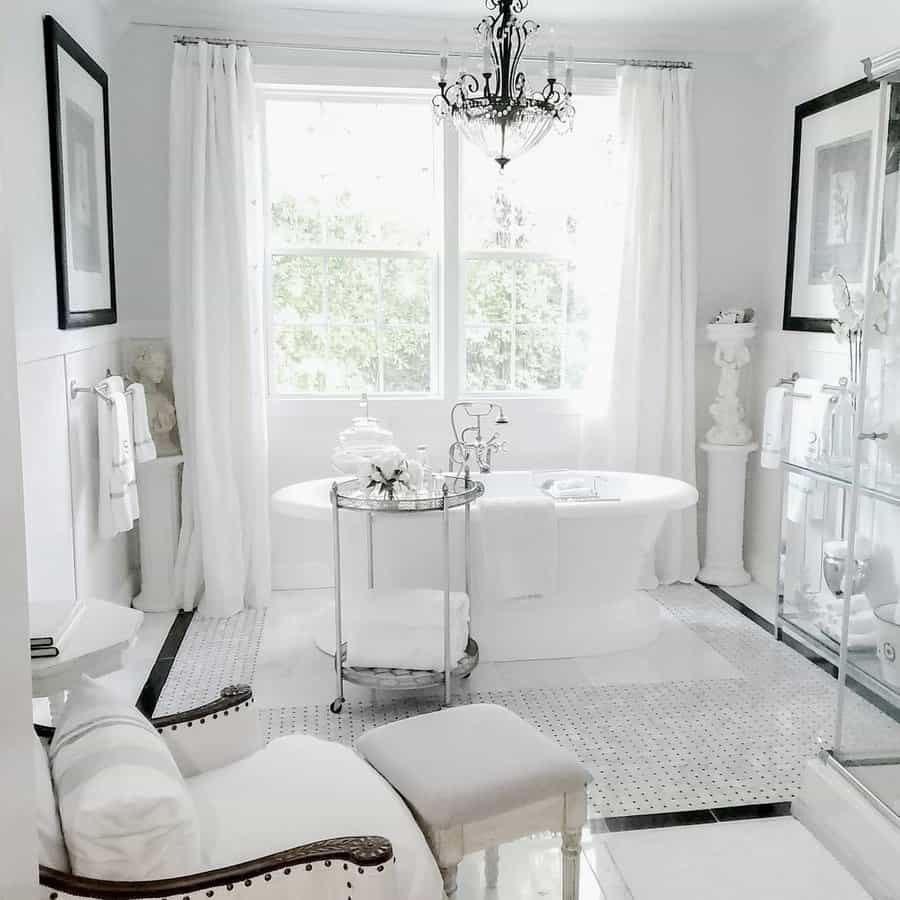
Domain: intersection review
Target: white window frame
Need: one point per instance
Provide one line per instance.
(448, 322)
(343, 95)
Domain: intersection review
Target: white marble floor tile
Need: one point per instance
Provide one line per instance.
(677, 654)
(141, 655)
(758, 598)
(529, 868)
(603, 867)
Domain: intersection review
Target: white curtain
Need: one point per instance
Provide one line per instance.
(217, 333)
(651, 417)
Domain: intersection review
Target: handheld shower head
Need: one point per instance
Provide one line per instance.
(501, 419)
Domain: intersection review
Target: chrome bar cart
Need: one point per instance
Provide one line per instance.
(443, 495)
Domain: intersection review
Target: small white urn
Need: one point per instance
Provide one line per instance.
(731, 355)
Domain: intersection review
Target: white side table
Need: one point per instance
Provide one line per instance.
(95, 647)
(723, 559)
(159, 493)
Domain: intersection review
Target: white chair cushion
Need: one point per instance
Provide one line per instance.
(126, 812)
(303, 789)
(51, 846)
(469, 763)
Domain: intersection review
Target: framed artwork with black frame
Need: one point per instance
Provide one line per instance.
(78, 106)
(830, 187)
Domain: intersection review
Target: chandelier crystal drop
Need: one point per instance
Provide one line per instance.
(499, 112)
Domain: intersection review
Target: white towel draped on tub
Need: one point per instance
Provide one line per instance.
(519, 538)
(118, 501)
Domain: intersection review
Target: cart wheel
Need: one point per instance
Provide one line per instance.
(337, 705)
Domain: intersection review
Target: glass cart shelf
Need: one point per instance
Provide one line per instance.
(868, 485)
(863, 666)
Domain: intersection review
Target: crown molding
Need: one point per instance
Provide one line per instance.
(754, 37)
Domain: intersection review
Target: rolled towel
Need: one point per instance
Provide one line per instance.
(773, 428)
(404, 629)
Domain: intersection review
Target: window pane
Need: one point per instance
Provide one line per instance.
(296, 289)
(537, 360)
(578, 351)
(539, 292)
(300, 360)
(407, 359)
(353, 360)
(352, 289)
(405, 290)
(488, 359)
(541, 242)
(338, 164)
(489, 290)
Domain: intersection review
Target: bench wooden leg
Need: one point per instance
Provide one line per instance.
(491, 867)
(571, 852)
(448, 873)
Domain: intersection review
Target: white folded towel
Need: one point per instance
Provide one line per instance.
(404, 629)
(773, 428)
(519, 538)
(118, 501)
(862, 640)
(144, 448)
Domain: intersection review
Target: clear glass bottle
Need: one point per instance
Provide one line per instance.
(427, 472)
(843, 428)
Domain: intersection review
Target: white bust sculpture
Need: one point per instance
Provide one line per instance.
(731, 355)
(150, 366)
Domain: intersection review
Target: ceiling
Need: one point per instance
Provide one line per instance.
(634, 24)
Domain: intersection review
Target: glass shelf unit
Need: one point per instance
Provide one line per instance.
(838, 575)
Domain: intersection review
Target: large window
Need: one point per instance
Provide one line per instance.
(371, 204)
(351, 183)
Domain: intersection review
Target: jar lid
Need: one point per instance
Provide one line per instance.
(838, 549)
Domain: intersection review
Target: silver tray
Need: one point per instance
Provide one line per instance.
(349, 495)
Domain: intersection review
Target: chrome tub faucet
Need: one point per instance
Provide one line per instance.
(468, 443)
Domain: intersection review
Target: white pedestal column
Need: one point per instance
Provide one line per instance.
(723, 559)
(159, 494)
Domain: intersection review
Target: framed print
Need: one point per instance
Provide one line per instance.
(830, 186)
(78, 105)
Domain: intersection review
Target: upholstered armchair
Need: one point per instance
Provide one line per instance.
(219, 750)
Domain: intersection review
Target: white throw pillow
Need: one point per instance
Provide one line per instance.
(51, 846)
(125, 809)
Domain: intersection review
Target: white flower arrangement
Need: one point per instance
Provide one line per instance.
(390, 475)
(850, 323)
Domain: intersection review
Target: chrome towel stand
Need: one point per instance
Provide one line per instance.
(75, 390)
(795, 377)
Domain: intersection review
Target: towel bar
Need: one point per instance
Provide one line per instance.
(795, 377)
(75, 390)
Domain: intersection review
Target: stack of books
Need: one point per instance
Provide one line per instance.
(50, 628)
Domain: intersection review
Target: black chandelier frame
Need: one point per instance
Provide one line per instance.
(501, 95)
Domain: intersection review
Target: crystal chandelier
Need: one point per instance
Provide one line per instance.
(499, 113)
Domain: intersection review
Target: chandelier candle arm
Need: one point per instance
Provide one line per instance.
(499, 113)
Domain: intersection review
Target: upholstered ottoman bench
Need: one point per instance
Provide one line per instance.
(478, 776)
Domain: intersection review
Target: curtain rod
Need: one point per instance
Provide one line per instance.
(317, 48)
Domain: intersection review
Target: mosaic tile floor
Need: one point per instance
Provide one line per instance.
(652, 747)
(213, 654)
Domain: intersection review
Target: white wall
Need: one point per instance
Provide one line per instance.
(824, 60)
(302, 434)
(66, 559)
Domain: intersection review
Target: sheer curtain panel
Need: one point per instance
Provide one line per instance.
(651, 422)
(217, 330)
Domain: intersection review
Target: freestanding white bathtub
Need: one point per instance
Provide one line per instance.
(598, 607)
(602, 548)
